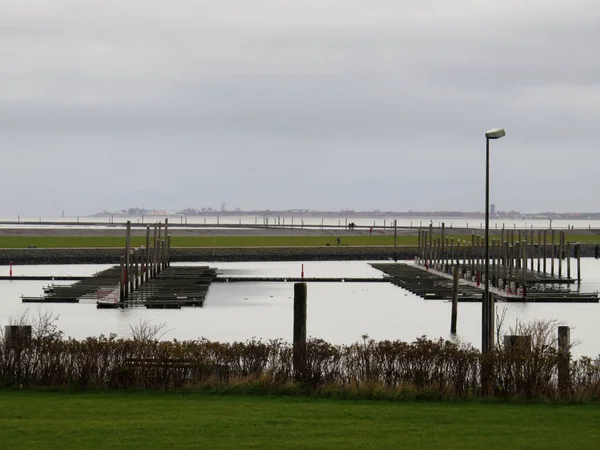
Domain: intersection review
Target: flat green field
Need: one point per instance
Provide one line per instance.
(227, 241)
(166, 420)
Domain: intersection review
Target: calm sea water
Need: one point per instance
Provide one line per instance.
(337, 312)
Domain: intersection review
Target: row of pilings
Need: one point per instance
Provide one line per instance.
(140, 265)
(516, 256)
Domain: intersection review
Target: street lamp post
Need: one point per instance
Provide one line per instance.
(487, 308)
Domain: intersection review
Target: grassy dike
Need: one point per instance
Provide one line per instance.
(34, 419)
(231, 241)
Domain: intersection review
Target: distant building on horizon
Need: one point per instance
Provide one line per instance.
(493, 209)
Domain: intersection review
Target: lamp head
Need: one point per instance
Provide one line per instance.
(495, 133)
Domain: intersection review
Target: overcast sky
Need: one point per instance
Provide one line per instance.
(375, 104)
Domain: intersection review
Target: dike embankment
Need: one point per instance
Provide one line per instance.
(31, 256)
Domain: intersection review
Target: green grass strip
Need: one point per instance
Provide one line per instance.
(62, 420)
(230, 241)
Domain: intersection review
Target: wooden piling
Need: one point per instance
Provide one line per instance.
(154, 251)
(531, 250)
(578, 255)
(560, 254)
(539, 250)
(169, 251)
(442, 247)
(396, 240)
(127, 258)
(147, 254)
(165, 255)
(544, 251)
(568, 251)
(136, 268)
(454, 313)
(122, 280)
(564, 354)
(430, 242)
(493, 256)
(299, 346)
(472, 254)
(553, 254)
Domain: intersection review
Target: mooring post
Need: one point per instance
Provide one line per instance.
(564, 354)
(395, 241)
(544, 269)
(578, 250)
(122, 279)
(443, 247)
(154, 254)
(454, 300)
(159, 249)
(531, 250)
(560, 254)
(135, 269)
(165, 255)
(430, 241)
(299, 349)
(493, 256)
(127, 258)
(472, 254)
(147, 271)
(169, 251)
(451, 256)
(524, 249)
(539, 250)
(568, 251)
(553, 254)
(419, 250)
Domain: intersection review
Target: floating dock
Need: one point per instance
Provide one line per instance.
(434, 285)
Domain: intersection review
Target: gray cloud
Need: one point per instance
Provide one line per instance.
(340, 104)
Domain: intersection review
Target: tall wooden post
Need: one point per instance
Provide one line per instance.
(524, 265)
(122, 279)
(154, 251)
(443, 247)
(472, 254)
(159, 250)
(454, 300)
(531, 250)
(560, 254)
(127, 259)
(169, 251)
(544, 254)
(299, 348)
(564, 354)
(147, 272)
(578, 254)
(430, 243)
(553, 252)
(165, 255)
(493, 272)
(539, 250)
(395, 241)
(568, 251)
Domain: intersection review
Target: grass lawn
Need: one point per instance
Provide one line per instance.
(163, 420)
(226, 241)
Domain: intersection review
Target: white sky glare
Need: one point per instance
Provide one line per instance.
(314, 104)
